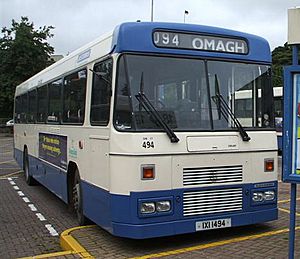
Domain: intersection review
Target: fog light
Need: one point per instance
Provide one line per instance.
(147, 207)
(258, 196)
(269, 195)
(163, 206)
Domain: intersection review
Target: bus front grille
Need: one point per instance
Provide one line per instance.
(212, 175)
(212, 201)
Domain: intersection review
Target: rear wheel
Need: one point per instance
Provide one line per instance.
(77, 199)
(28, 178)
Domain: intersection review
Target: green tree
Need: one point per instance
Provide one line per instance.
(281, 56)
(24, 51)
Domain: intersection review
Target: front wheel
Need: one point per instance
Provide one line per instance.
(77, 200)
(28, 178)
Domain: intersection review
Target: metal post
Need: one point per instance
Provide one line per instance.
(292, 220)
(293, 189)
(295, 55)
(151, 10)
(184, 14)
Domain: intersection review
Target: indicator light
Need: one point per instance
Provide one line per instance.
(269, 165)
(148, 172)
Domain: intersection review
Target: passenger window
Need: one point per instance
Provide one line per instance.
(18, 109)
(24, 107)
(74, 97)
(101, 93)
(31, 106)
(42, 103)
(55, 101)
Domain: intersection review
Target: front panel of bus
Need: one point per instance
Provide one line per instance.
(193, 145)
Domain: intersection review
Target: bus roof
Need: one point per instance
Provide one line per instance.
(138, 37)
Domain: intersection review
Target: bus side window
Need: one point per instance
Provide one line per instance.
(42, 103)
(74, 97)
(55, 101)
(32, 102)
(101, 93)
(18, 107)
(24, 106)
(123, 110)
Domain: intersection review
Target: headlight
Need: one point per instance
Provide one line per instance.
(269, 195)
(163, 206)
(147, 207)
(263, 196)
(258, 196)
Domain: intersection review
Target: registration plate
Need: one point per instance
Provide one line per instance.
(213, 224)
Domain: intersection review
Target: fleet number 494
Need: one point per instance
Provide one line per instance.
(148, 144)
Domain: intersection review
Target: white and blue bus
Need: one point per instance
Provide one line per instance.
(139, 131)
(244, 100)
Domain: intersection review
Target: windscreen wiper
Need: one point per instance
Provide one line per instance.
(147, 105)
(225, 110)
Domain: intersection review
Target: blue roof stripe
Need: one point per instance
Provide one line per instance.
(137, 37)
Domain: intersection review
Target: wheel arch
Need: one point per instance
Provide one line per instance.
(25, 151)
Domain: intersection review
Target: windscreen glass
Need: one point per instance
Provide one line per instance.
(191, 94)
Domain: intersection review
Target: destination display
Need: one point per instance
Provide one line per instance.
(167, 39)
(53, 149)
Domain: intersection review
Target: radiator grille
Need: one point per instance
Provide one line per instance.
(212, 175)
(212, 201)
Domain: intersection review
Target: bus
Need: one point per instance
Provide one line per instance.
(278, 110)
(138, 131)
(244, 98)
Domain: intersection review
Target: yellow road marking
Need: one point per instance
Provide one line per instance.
(8, 152)
(4, 140)
(67, 242)
(11, 174)
(6, 162)
(288, 200)
(214, 244)
(6, 145)
(49, 255)
(9, 168)
(288, 211)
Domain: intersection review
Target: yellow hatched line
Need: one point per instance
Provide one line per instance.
(288, 211)
(6, 145)
(9, 168)
(8, 152)
(49, 255)
(287, 200)
(6, 162)
(11, 174)
(6, 140)
(215, 244)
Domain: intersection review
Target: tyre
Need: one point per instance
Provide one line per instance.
(77, 201)
(28, 178)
